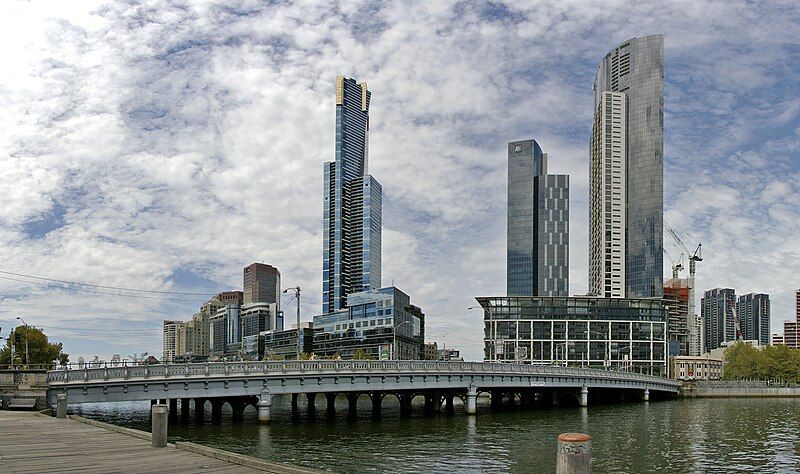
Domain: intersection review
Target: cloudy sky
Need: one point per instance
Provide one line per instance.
(165, 145)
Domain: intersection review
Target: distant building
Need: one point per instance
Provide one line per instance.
(538, 224)
(261, 284)
(777, 340)
(382, 324)
(199, 341)
(431, 351)
(174, 340)
(577, 331)
(791, 329)
(282, 344)
(754, 317)
(690, 368)
(449, 355)
(256, 318)
(717, 308)
(676, 296)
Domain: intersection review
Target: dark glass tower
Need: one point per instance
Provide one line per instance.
(717, 308)
(351, 260)
(538, 224)
(633, 71)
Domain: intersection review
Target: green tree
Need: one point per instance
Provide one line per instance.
(40, 350)
(361, 354)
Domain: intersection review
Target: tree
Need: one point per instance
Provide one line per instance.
(361, 354)
(40, 350)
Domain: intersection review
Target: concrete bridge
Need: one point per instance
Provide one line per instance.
(254, 383)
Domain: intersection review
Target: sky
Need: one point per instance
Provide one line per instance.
(165, 145)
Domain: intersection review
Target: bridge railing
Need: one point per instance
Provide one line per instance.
(69, 374)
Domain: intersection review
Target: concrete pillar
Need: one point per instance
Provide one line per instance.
(199, 409)
(173, 410)
(472, 400)
(646, 396)
(584, 399)
(264, 407)
(312, 408)
(554, 398)
(330, 410)
(448, 403)
(61, 405)
(352, 405)
(216, 410)
(430, 403)
(405, 405)
(377, 398)
(237, 408)
(184, 410)
(159, 423)
(497, 399)
(295, 411)
(572, 454)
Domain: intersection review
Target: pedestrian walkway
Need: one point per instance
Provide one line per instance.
(32, 443)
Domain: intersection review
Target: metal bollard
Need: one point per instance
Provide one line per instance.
(159, 425)
(61, 405)
(572, 455)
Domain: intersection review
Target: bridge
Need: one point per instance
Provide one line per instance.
(254, 383)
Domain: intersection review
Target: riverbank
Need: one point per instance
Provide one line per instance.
(33, 442)
(738, 389)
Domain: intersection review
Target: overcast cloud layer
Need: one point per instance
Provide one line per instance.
(165, 145)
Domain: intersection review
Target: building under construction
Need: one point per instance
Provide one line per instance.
(676, 296)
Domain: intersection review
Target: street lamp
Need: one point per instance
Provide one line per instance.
(27, 361)
(394, 339)
(492, 331)
(296, 290)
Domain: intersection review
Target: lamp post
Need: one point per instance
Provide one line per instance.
(27, 361)
(394, 339)
(296, 290)
(492, 331)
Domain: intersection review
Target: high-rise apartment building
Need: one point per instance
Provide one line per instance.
(791, 329)
(717, 308)
(627, 171)
(261, 284)
(538, 224)
(174, 340)
(351, 259)
(753, 311)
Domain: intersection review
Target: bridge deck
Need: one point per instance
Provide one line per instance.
(31, 444)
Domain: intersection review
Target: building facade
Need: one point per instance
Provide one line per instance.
(580, 331)
(378, 324)
(282, 344)
(538, 224)
(174, 340)
(676, 297)
(689, 368)
(754, 317)
(791, 329)
(717, 309)
(261, 284)
(633, 74)
(351, 204)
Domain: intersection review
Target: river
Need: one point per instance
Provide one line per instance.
(700, 435)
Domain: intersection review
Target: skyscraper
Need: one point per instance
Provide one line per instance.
(261, 284)
(351, 259)
(753, 311)
(627, 171)
(538, 224)
(717, 308)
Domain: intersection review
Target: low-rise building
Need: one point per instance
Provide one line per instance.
(431, 351)
(696, 368)
(282, 344)
(449, 354)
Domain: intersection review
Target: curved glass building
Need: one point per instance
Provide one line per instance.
(627, 172)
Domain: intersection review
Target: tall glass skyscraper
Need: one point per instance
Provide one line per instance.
(627, 172)
(351, 260)
(538, 224)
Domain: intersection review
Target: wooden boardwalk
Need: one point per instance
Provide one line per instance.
(31, 443)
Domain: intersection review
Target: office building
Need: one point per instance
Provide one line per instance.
(282, 344)
(538, 224)
(777, 340)
(579, 331)
(256, 318)
(351, 204)
(627, 172)
(380, 324)
(261, 284)
(198, 344)
(753, 311)
(717, 309)
(174, 340)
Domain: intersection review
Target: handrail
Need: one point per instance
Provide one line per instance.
(251, 368)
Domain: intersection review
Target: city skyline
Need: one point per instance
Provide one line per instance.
(203, 155)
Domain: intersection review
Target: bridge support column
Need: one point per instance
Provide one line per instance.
(199, 410)
(237, 406)
(448, 403)
(405, 404)
(330, 410)
(646, 396)
(264, 407)
(173, 410)
(472, 399)
(377, 398)
(527, 398)
(554, 396)
(584, 398)
(184, 410)
(352, 405)
(295, 412)
(216, 410)
(312, 408)
(497, 399)
(432, 403)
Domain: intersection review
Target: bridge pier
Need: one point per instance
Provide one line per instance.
(433, 402)
(330, 410)
(312, 408)
(199, 410)
(497, 399)
(184, 410)
(472, 399)
(377, 398)
(448, 403)
(527, 398)
(216, 410)
(405, 404)
(295, 411)
(173, 410)
(352, 405)
(264, 407)
(646, 395)
(237, 406)
(584, 398)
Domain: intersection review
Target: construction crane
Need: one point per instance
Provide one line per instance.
(736, 323)
(676, 267)
(694, 257)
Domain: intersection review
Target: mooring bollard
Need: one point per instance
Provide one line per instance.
(159, 425)
(572, 455)
(61, 405)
